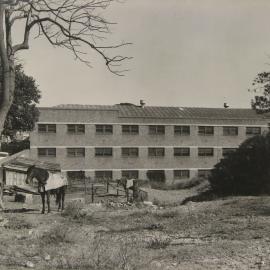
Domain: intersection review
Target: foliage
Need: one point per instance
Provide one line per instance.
(23, 112)
(261, 86)
(245, 171)
(15, 146)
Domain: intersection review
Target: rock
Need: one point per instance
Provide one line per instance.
(148, 203)
(47, 257)
(29, 264)
(102, 229)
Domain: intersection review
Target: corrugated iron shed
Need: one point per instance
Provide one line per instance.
(23, 164)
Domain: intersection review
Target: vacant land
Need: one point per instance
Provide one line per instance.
(222, 234)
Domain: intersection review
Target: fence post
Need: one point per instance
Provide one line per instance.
(85, 187)
(107, 185)
(92, 193)
(117, 191)
(135, 190)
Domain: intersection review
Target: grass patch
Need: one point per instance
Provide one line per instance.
(17, 223)
(56, 235)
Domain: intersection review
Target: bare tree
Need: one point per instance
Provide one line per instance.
(73, 24)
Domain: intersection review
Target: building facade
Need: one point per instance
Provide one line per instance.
(132, 141)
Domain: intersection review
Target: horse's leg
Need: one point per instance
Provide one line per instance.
(63, 192)
(48, 200)
(42, 194)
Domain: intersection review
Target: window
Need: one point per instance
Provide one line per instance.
(205, 130)
(181, 152)
(104, 129)
(181, 174)
(47, 128)
(156, 152)
(75, 152)
(204, 173)
(75, 175)
(205, 152)
(156, 175)
(130, 129)
(130, 174)
(156, 130)
(103, 175)
(230, 131)
(130, 152)
(182, 130)
(227, 151)
(103, 152)
(77, 129)
(253, 131)
(47, 152)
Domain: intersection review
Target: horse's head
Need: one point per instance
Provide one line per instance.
(30, 175)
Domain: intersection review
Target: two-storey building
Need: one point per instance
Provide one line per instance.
(132, 141)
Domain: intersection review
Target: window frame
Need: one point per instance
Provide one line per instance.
(204, 130)
(182, 174)
(48, 128)
(47, 152)
(227, 131)
(200, 154)
(103, 153)
(206, 173)
(182, 152)
(252, 133)
(78, 152)
(104, 177)
(154, 151)
(129, 152)
(76, 129)
(104, 129)
(181, 131)
(156, 129)
(130, 172)
(130, 129)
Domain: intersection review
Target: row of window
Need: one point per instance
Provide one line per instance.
(133, 152)
(134, 174)
(152, 129)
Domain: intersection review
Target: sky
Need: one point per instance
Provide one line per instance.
(198, 53)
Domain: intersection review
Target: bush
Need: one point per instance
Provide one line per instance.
(245, 171)
(15, 146)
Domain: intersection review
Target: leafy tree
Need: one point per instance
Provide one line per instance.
(23, 112)
(245, 171)
(76, 25)
(261, 88)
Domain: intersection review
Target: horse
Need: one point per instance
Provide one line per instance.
(42, 177)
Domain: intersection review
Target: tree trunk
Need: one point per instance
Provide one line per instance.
(7, 82)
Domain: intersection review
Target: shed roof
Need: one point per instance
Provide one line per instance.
(23, 164)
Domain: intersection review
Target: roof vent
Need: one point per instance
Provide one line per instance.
(142, 103)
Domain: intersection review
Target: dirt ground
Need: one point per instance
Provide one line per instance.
(222, 234)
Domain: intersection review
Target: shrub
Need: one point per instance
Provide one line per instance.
(158, 242)
(245, 171)
(73, 209)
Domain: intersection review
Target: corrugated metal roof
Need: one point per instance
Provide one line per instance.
(133, 111)
(85, 107)
(22, 163)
